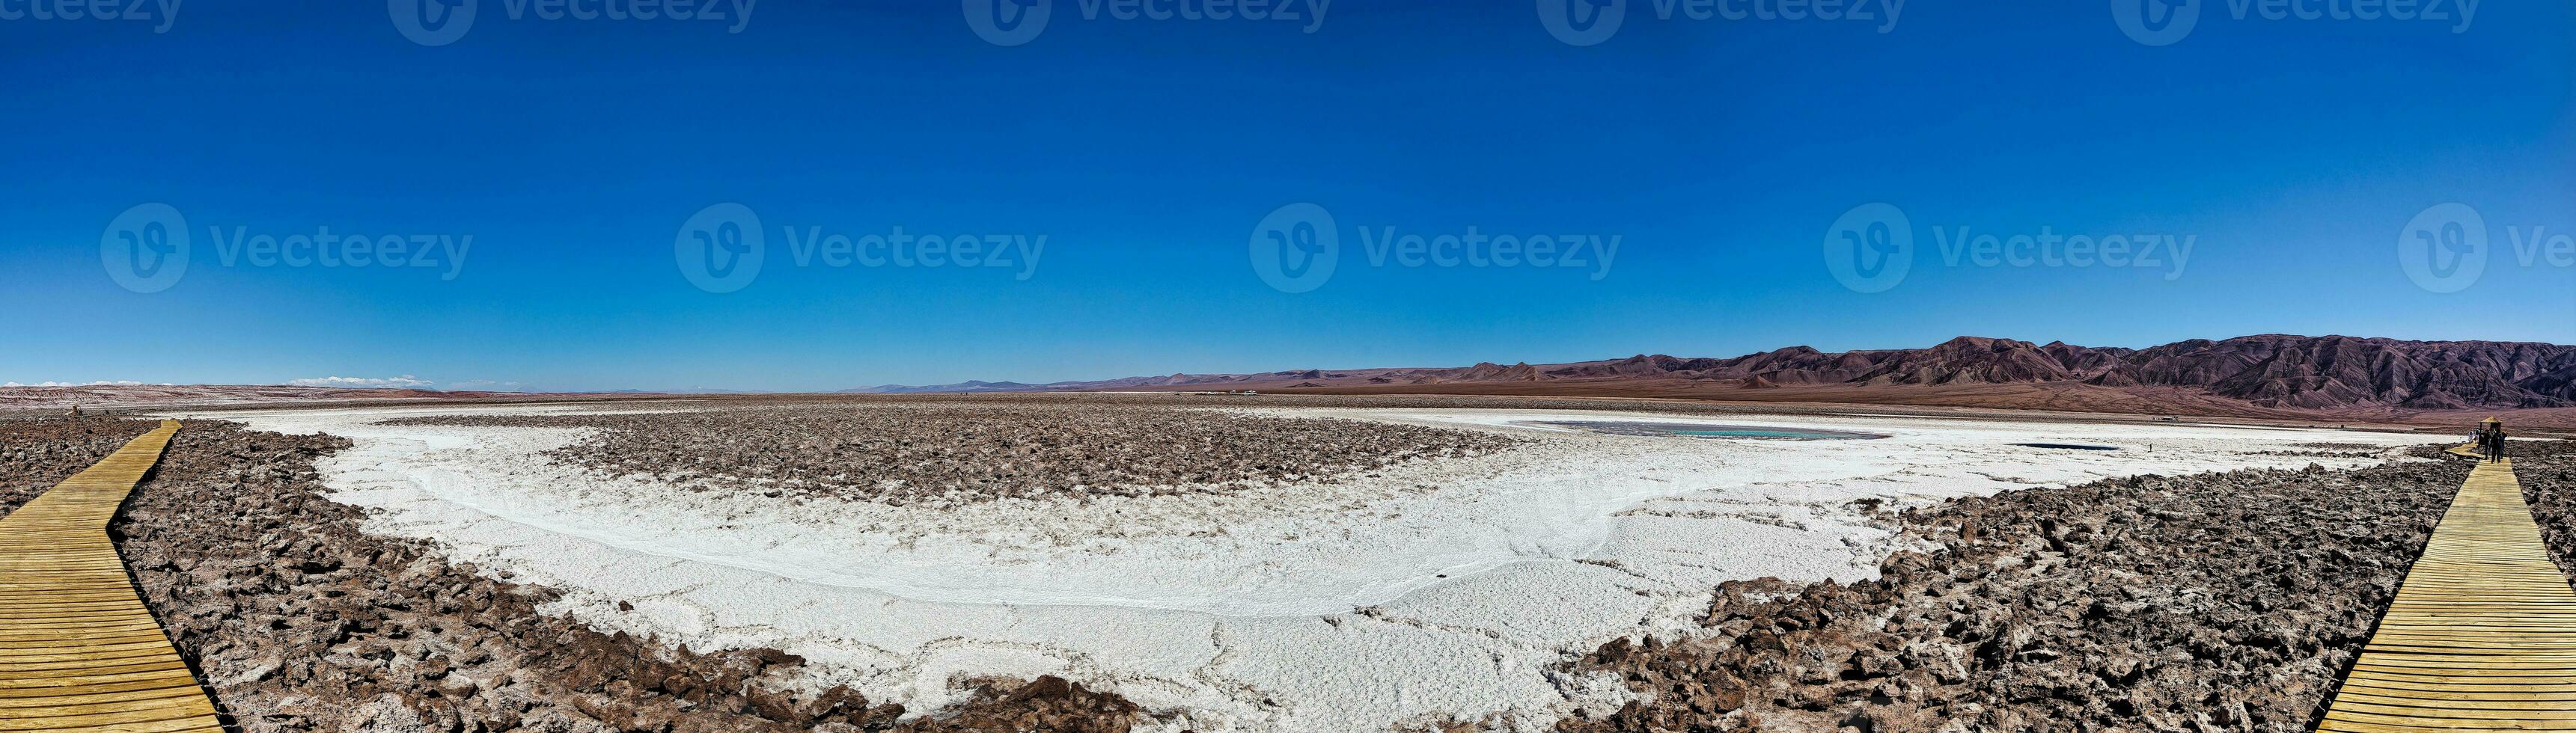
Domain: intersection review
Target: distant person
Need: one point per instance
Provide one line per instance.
(2491, 439)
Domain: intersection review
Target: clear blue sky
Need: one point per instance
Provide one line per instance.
(1719, 152)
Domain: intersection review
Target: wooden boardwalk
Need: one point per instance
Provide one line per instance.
(2483, 633)
(77, 649)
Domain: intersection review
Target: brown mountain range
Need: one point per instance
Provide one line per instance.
(2255, 376)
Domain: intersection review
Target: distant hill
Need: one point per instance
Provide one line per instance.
(952, 388)
(2269, 372)
(99, 396)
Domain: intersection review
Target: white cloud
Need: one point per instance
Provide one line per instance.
(402, 382)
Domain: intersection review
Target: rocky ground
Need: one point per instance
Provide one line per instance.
(914, 452)
(35, 454)
(2215, 602)
(297, 621)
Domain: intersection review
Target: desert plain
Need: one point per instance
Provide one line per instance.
(1215, 562)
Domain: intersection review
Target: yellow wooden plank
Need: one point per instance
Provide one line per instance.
(99, 692)
(61, 685)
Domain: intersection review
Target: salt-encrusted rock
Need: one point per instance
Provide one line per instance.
(957, 452)
(2225, 601)
(301, 622)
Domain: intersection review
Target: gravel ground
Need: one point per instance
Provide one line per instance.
(297, 621)
(951, 453)
(35, 454)
(2225, 601)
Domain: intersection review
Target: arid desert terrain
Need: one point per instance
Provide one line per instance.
(1308, 563)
